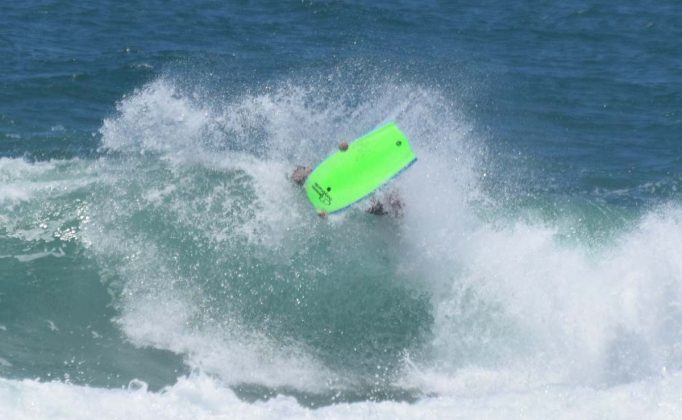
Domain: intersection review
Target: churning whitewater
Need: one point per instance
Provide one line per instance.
(184, 245)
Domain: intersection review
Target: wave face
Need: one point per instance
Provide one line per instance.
(156, 260)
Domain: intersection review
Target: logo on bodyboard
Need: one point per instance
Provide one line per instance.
(324, 197)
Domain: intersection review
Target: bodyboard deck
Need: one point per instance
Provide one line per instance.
(369, 162)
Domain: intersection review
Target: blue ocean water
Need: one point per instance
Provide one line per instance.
(155, 258)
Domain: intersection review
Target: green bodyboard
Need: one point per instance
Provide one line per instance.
(347, 176)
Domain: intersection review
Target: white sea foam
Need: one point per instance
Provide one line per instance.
(235, 354)
(156, 118)
(551, 312)
(53, 327)
(162, 309)
(200, 397)
(14, 186)
(58, 253)
(34, 198)
(13, 168)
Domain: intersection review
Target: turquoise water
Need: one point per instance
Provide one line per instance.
(155, 258)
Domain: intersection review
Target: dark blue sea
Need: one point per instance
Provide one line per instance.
(157, 262)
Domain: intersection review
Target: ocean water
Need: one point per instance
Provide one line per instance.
(155, 261)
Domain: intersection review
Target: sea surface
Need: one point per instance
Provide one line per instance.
(156, 262)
